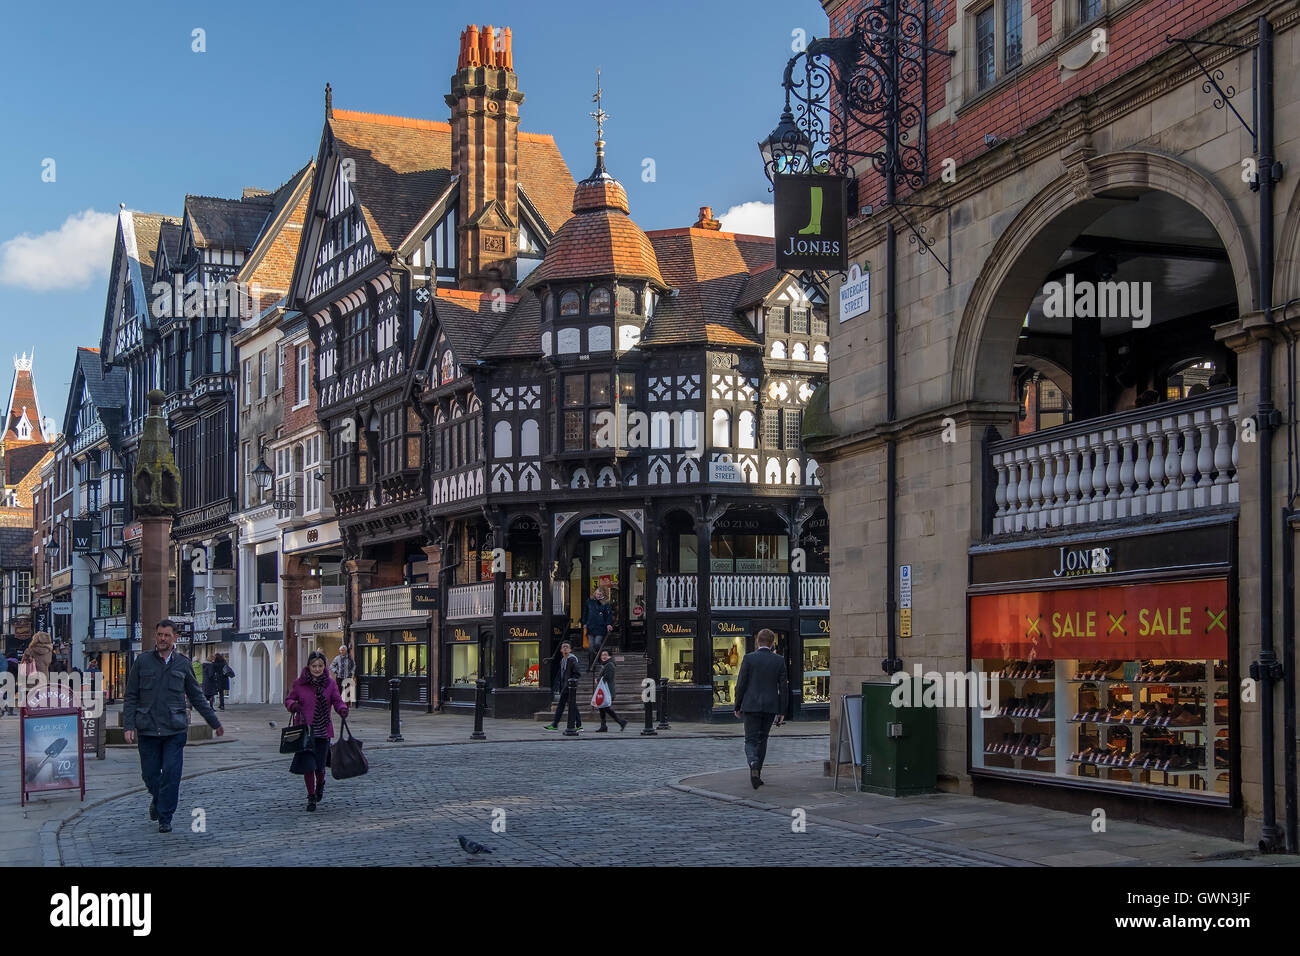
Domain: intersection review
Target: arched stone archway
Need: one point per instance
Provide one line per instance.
(1032, 244)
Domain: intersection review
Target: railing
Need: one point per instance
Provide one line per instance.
(749, 592)
(264, 616)
(815, 591)
(523, 597)
(327, 599)
(469, 600)
(1178, 456)
(677, 592)
(379, 603)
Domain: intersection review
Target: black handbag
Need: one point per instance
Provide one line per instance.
(296, 738)
(346, 759)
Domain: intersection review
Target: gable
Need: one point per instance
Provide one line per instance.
(343, 243)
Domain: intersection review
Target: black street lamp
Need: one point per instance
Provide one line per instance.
(262, 475)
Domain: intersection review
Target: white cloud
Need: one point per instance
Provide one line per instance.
(64, 258)
(750, 219)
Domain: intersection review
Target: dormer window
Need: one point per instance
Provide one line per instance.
(598, 303)
(570, 303)
(626, 300)
(24, 428)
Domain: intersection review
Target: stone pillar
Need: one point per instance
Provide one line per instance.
(155, 554)
(703, 574)
(650, 547)
(292, 583)
(359, 572)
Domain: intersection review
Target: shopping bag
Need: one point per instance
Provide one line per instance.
(346, 758)
(601, 697)
(295, 738)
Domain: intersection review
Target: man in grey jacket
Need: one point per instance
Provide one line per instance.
(154, 711)
(762, 695)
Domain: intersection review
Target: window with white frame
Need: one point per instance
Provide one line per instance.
(261, 362)
(248, 381)
(304, 374)
(279, 366)
(286, 474)
(311, 485)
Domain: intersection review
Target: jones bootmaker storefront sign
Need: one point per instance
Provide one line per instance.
(811, 222)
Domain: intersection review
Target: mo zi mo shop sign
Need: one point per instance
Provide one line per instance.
(811, 222)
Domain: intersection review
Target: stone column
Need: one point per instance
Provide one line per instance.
(292, 584)
(155, 554)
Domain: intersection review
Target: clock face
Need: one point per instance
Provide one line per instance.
(779, 391)
(805, 391)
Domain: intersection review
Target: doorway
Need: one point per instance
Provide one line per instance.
(615, 563)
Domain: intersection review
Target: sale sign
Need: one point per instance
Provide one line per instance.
(1183, 619)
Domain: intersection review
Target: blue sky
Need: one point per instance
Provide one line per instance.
(128, 112)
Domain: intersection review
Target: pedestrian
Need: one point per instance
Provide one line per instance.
(568, 668)
(157, 687)
(11, 665)
(224, 673)
(40, 652)
(343, 666)
(762, 694)
(597, 622)
(310, 700)
(607, 675)
(215, 680)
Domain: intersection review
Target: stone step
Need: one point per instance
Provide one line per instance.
(630, 670)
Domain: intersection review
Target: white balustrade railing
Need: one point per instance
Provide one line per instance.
(1177, 456)
(324, 600)
(749, 592)
(523, 597)
(677, 592)
(815, 591)
(264, 616)
(380, 603)
(469, 600)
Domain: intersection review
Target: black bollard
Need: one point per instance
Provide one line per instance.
(480, 705)
(649, 729)
(572, 730)
(663, 704)
(395, 714)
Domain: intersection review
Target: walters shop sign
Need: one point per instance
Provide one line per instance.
(811, 222)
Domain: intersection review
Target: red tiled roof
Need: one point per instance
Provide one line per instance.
(601, 239)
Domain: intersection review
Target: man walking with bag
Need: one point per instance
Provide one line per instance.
(154, 710)
(762, 694)
(343, 666)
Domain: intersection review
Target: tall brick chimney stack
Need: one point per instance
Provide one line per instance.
(484, 103)
(706, 220)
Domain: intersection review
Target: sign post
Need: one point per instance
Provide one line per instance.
(855, 293)
(905, 600)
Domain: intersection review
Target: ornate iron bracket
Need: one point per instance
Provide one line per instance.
(1224, 93)
(918, 239)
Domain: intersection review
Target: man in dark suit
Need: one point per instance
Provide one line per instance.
(762, 695)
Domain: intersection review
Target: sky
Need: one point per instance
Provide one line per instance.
(112, 103)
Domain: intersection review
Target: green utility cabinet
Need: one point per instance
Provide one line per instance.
(900, 745)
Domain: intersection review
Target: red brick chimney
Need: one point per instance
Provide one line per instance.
(484, 103)
(706, 220)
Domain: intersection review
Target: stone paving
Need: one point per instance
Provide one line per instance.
(591, 801)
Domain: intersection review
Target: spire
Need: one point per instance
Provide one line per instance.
(329, 102)
(599, 115)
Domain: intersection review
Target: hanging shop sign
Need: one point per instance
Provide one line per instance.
(599, 527)
(855, 293)
(1183, 619)
(811, 222)
(523, 632)
(81, 533)
(424, 597)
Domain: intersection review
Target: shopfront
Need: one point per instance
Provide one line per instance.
(401, 653)
(257, 658)
(1114, 660)
(813, 675)
(111, 658)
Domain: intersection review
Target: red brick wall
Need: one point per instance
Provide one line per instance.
(1135, 35)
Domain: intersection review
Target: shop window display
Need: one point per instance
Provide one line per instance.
(412, 660)
(727, 655)
(374, 661)
(464, 664)
(1152, 724)
(525, 663)
(816, 670)
(676, 659)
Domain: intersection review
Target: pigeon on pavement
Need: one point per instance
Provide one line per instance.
(472, 848)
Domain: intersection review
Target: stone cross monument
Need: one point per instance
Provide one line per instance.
(156, 494)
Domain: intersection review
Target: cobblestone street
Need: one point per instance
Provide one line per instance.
(593, 801)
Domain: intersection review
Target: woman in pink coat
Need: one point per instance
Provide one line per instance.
(310, 700)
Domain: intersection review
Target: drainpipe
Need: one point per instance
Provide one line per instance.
(892, 663)
(1289, 530)
(1268, 668)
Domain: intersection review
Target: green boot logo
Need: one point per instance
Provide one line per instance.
(814, 226)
